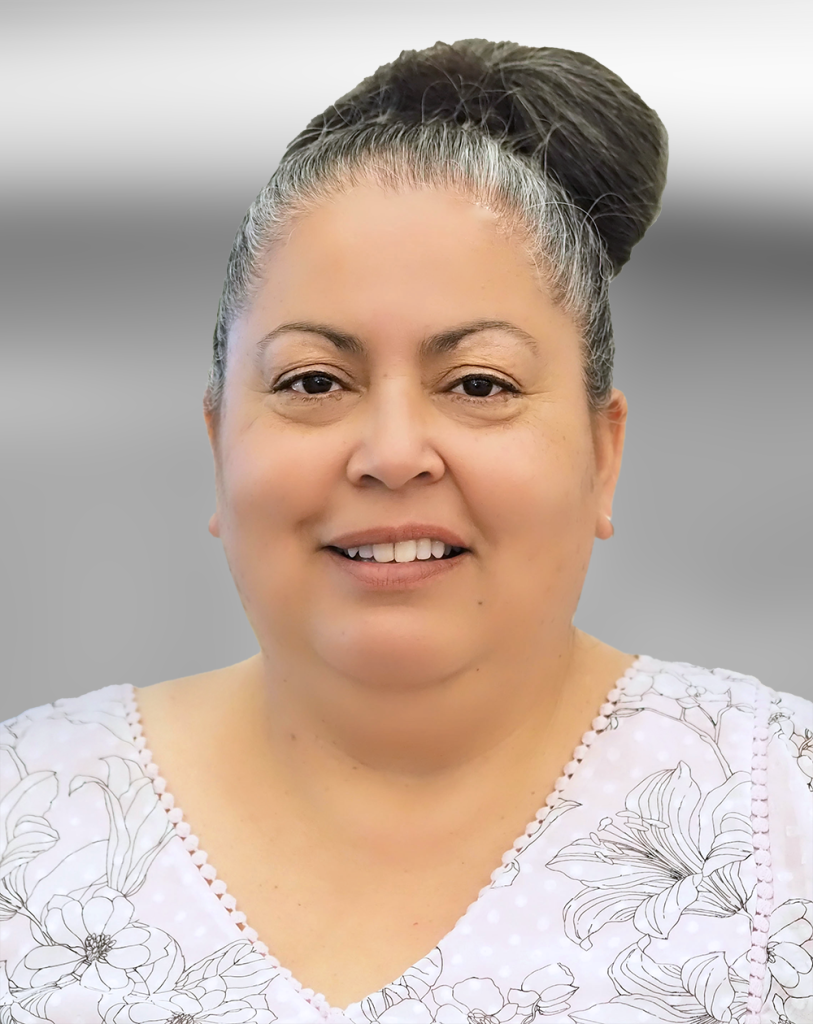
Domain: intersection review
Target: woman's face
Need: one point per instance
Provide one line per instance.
(385, 433)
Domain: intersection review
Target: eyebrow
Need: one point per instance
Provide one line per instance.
(440, 343)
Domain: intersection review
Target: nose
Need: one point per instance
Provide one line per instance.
(395, 442)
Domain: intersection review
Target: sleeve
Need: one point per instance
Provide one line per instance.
(790, 796)
(784, 959)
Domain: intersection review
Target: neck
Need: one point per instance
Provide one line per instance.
(392, 772)
(423, 732)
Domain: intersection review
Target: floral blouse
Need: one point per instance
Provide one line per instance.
(669, 877)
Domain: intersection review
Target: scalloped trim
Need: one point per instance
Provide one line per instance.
(597, 727)
(229, 903)
(760, 823)
(192, 846)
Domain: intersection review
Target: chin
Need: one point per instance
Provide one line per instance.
(383, 656)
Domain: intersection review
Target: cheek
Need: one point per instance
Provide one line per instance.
(274, 493)
(533, 488)
(273, 496)
(529, 496)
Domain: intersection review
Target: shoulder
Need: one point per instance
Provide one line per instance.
(703, 697)
(791, 716)
(48, 753)
(787, 752)
(74, 797)
(689, 683)
(789, 742)
(94, 718)
(737, 717)
(761, 735)
(93, 857)
(714, 690)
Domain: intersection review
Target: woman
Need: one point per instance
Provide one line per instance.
(416, 441)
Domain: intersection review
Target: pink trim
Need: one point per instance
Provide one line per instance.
(199, 857)
(218, 886)
(597, 726)
(762, 857)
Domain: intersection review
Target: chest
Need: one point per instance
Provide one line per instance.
(348, 921)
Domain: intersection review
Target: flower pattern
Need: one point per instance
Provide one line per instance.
(477, 999)
(110, 913)
(92, 940)
(789, 949)
(544, 992)
(790, 1010)
(799, 742)
(702, 990)
(227, 988)
(660, 858)
(687, 685)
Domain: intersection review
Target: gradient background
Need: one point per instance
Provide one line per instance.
(135, 137)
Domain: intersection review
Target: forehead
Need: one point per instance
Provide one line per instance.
(426, 252)
(393, 246)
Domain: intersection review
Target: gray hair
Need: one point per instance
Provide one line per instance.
(470, 143)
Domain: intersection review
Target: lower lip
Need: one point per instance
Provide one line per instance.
(397, 575)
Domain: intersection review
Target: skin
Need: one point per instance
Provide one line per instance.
(405, 736)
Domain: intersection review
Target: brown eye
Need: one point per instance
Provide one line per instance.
(312, 384)
(479, 386)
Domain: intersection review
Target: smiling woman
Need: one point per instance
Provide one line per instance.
(416, 443)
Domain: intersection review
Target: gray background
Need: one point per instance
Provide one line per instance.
(136, 138)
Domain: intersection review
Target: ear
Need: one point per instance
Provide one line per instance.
(609, 430)
(211, 429)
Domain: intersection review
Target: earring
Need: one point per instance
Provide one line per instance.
(610, 521)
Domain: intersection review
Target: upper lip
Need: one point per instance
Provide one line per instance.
(393, 534)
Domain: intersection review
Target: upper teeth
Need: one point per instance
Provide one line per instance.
(403, 551)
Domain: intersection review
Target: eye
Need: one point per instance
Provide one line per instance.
(317, 382)
(482, 384)
(314, 383)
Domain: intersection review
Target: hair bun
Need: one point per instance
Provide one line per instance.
(578, 120)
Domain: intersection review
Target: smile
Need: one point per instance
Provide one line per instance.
(403, 551)
(393, 575)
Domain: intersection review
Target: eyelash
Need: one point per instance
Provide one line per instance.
(285, 385)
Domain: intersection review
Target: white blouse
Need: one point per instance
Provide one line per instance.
(669, 877)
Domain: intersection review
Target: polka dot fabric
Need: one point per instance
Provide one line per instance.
(667, 877)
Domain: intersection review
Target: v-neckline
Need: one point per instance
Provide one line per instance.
(218, 889)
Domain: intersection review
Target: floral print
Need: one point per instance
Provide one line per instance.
(790, 948)
(544, 992)
(798, 741)
(224, 989)
(89, 950)
(24, 829)
(660, 858)
(92, 940)
(636, 896)
(701, 989)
